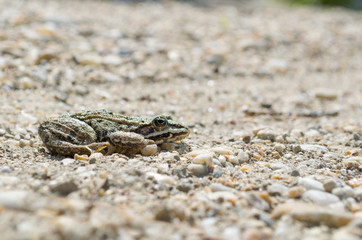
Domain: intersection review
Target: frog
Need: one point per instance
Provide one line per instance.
(90, 131)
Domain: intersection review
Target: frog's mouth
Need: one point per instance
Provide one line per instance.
(167, 135)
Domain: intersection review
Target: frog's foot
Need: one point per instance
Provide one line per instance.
(102, 147)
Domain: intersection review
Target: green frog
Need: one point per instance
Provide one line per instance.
(101, 130)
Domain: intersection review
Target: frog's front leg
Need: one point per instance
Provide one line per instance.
(127, 143)
(67, 136)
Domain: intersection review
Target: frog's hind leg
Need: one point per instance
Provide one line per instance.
(67, 136)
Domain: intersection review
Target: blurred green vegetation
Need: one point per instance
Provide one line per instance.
(353, 4)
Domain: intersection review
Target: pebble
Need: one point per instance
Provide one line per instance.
(2, 132)
(198, 170)
(329, 185)
(353, 162)
(224, 195)
(314, 148)
(68, 161)
(266, 134)
(325, 94)
(295, 192)
(64, 188)
(222, 150)
(6, 169)
(280, 148)
(277, 189)
(204, 159)
(149, 150)
(343, 192)
(358, 193)
(233, 160)
(309, 183)
(16, 199)
(295, 173)
(312, 134)
(161, 179)
(320, 198)
(73, 228)
(218, 187)
(8, 179)
(312, 214)
(297, 148)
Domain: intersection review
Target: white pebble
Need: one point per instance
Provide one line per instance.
(243, 156)
(67, 161)
(149, 150)
(222, 150)
(310, 184)
(320, 198)
(204, 159)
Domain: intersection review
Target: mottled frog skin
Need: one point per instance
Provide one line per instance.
(88, 131)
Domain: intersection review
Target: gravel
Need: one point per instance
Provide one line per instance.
(271, 93)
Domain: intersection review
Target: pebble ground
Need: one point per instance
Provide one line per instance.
(272, 95)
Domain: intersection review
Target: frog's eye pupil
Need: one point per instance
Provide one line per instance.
(160, 122)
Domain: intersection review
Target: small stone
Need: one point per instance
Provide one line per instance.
(358, 193)
(279, 147)
(73, 228)
(242, 156)
(203, 159)
(222, 150)
(217, 173)
(266, 134)
(277, 189)
(14, 199)
(320, 198)
(67, 161)
(218, 187)
(275, 154)
(310, 184)
(94, 157)
(223, 195)
(162, 179)
(149, 150)
(295, 173)
(295, 192)
(233, 160)
(313, 214)
(2, 132)
(314, 148)
(6, 169)
(297, 148)
(325, 94)
(26, 83)
(312, 134)
(184, 187)
(329, 185)
(198, 170)
(65, 188)
(353, 162)
(343, 192)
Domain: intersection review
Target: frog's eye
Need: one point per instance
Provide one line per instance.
(159, 123)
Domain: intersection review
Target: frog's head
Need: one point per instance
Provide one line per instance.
(163, 128)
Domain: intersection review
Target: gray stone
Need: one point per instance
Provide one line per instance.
(198, 170)
(314, 148)
(312, 214)
(309, 183)
(320, 198)
(65, 188)
(277, 189)
(329, 185)
(6, 169)
(343, 192)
